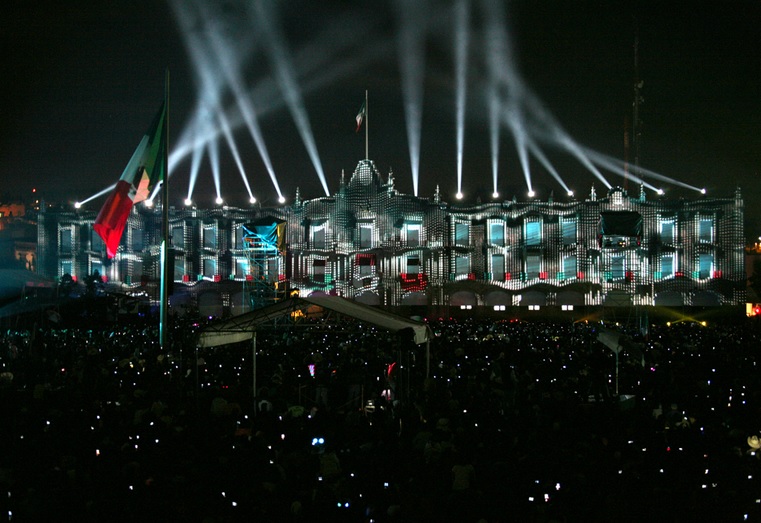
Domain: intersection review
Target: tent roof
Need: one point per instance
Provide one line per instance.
(241, 328)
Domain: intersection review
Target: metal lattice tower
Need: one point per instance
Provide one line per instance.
(263, 246)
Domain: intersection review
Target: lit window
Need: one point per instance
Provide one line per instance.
(210, 238)
(412, 234)
(569, 267)
(366, 236)
(462, 234)
(667, 231)
(705, 265)
(569, 231)
(318, 236)
(497, 234)
(533, 233)
(705, 230)
(498, 267)
(462, 265)
(318, 270)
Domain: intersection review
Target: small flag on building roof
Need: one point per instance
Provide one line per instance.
(361, 116)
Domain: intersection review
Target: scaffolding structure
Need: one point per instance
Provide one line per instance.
(264, 247)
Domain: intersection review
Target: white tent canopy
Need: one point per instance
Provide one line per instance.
(242, 328)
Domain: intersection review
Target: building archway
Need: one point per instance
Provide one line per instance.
(498, 297)
(533, 298)
(669, 299)
(570, 298)
(210, 304)
(706, 299)
(239, 303)
(368, 298)
(460, 298)
(618, 298)
(415, 298)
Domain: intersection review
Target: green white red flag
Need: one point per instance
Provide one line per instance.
(143, 172)
(361, 116)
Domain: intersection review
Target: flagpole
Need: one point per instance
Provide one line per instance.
(165, 223)
(367, 126)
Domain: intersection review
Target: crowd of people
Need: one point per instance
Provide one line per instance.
(507, 421)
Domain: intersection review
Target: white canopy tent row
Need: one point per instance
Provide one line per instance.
(293, 311)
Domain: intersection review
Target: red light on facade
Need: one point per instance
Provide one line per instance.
(542, 275)
(217, 278)
(580, 275)
(413, 282)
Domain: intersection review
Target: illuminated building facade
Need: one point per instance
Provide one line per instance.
(370, 243)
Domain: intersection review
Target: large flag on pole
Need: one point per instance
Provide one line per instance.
(361, 116)
(144, 170)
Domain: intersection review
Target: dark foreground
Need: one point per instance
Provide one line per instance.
(516, 422)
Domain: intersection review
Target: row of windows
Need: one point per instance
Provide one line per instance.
(411, 234)
(365, 266)
(705, 230)
(532, 233)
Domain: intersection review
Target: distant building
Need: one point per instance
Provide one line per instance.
(18, 235)
(370, 243)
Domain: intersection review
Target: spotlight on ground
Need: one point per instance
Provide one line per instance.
(531, 194)
(188, 202)
(252, 200)
(495, 195)
(459, 195)
(219, 200)
(281, 199)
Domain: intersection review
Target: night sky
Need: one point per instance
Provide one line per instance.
(83, 81)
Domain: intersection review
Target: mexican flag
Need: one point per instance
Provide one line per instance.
(144, 170)
(361, 116)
